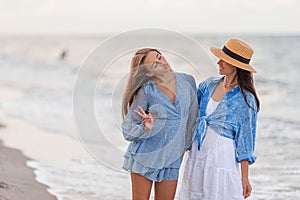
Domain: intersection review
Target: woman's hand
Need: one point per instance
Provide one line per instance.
(245, 181)
(147, 119)
(246, 187)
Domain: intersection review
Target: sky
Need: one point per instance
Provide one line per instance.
(115, 16)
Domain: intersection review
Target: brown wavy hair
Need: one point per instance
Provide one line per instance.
(137, 78)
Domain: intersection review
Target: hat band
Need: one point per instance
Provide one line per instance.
(235, 56)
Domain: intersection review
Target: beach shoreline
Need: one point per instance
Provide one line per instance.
(22, 142)
(17, 181)
(37, 118)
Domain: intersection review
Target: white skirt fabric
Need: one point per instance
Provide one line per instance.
(212, 173)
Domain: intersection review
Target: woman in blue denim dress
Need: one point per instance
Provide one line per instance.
(226, 130)
(159, 110)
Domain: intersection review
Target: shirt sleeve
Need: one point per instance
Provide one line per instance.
(201, 89)
(132, 127)
(193, 113)
(246, 133)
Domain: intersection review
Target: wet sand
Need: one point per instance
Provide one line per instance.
(17, 181)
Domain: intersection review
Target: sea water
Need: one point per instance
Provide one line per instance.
(33, 65)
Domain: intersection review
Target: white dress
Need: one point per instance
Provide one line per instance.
(212, 173)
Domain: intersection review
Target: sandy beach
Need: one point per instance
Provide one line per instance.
(21, 142)
(17, 181)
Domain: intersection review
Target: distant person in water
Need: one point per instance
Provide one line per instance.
(63, 54)
(2, 125)
(226, 130)
(159, 110)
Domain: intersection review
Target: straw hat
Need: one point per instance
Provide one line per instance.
(235, 52)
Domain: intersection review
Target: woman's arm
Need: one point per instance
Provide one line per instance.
(193, 113)
(245, 180)
(140, 122)
(132, 125)
(246, 132)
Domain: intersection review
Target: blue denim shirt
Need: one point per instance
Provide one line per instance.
(171, 133)
(232, 118)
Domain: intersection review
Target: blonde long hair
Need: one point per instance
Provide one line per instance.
(137, 78)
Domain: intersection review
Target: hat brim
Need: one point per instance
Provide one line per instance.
(220, 54)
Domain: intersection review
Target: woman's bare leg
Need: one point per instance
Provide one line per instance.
(165, 190)
(141, 187)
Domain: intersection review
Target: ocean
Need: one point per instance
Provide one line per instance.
(32, 65)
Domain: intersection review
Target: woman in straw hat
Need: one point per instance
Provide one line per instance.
(159, 110)
(226, 129)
